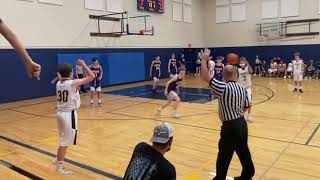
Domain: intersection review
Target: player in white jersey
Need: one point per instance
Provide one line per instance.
(211, 65)
(245, 71)
(298, 71)
(68, 101)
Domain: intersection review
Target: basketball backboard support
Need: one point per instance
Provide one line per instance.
(126, 24)
(285, 29)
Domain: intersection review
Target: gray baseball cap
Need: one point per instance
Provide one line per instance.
(162, 133)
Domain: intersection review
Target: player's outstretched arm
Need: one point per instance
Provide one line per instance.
(249, 67)
(33, 69)
(77, 69)
(89, 78)
(204, 68)
(53, 81)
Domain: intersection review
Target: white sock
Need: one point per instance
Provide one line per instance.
(61, 170)
(59, 165)
(100, 101)
(91, 101)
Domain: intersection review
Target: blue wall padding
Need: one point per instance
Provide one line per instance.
(72, 59)
(126, 67)
(14, 85)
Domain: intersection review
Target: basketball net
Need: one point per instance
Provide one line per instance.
(263, 37)
(143, 32)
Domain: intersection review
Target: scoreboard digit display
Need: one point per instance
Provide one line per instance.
(156, 6)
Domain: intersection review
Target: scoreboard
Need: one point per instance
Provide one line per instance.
(156, 6)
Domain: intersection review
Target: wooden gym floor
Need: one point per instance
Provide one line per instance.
(284, 140)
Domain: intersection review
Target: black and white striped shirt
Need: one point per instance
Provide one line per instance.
(232, 97)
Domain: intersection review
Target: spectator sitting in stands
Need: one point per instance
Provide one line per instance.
(282, 69)
(311, 70)
(317, 73)
(273, 68)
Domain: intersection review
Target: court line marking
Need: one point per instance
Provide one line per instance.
(131, 105)
(26, 105)
(214, 111)
(75, 163)
(293, 102)
(145, 102)
(186, 124)
(313, 175)
(213, 129)
(45, 116)
(194, 172)
(44, 102)
(269, 98)
(12, 108)
(150, 102)
(19, 170)
(49, 139)
(214, 174)
(20, 119)
(312, 135)
(283, 151)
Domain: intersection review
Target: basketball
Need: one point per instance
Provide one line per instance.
(232, 58)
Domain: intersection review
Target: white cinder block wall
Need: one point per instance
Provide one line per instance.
(244, 33)
(44, 25)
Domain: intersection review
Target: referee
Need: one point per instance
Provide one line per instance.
(233, 102)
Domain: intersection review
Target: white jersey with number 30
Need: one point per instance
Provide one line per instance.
(67, 99)
(297, 66)
(244, 77)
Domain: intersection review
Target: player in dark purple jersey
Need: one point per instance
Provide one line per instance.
(172, 66)
(95, 85)
(155, 72)
(172, 92)
(218, 69)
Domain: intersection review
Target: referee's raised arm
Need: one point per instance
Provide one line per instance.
(204, 66)
(218, 87)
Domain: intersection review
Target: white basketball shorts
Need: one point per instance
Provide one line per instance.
(156, 79)
(172, 96)
(67, 126)
(98, 89)
(297, 76)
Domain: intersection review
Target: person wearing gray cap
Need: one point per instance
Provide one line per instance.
(148, 162)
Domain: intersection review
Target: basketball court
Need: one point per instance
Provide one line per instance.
(284, 139)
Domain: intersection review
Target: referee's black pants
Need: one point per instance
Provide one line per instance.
(234, 137)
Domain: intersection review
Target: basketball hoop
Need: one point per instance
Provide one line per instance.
(144, 32)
